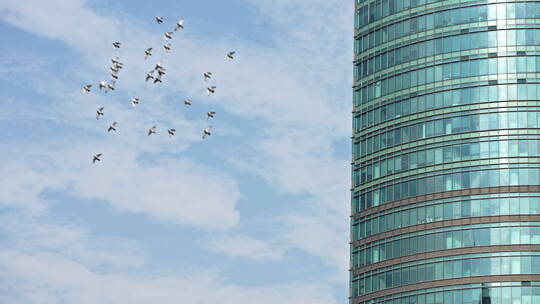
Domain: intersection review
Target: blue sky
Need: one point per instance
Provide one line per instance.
(257, 213)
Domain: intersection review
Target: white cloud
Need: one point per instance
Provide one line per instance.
(56, 269)
(297, 153)
(246, 247)
(46, 278)
(295, 95)
(63, 20)
(271, 83)
(301, 162)
(321, 235)
(38, 235)
(169, 190)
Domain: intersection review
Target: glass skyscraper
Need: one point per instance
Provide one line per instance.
(446, 152)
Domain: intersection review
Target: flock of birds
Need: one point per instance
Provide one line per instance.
(156, 76)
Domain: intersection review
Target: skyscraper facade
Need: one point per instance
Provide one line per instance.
(446, 152)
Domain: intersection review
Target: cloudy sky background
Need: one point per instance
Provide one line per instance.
(257, 213)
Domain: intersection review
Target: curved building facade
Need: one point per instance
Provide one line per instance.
(446, 152)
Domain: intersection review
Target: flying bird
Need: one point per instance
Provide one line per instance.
(152, 130)
(231, 55)
(99, 112)
(102, 85)
(207, 75)
(116, 64)
(179, 25)
(96, 158)
(167, 47)
(168, 35)
(171, 132)
(161, 72)
(114, 75)
(159, 66)
(147, 53)
(158, 79)
(86, 88)
(149, 75)
(110, 86)
(211, 90)
(112, 127)
(114, 69)
(187, 102)
(159, 20)
(116, 45)
(210, 114)
(207, 132)
(134, 101)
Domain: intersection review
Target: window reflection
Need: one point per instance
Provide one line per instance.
(441, 239)
(381, 167)
(367, 14)
(451, 268)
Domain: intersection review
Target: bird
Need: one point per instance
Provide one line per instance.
(207, 132)
(231, 55)
(110, 85)
(147, 53)
(210, 114)
(116, 61)
(134, 101)
(96, 158)
(179, 25)
(149, 76)
(86, 88)
(152, 130)
(211, 90)
(167, 47)
(187, 102)
(161, 72)
(207, 75)
(168, 35)
(114, 69)
(159, 66)
(116, 45)
(159, 20)
(114, 75)
(158, 79)
(99, 112)
(171, 132)
(102, 85)
(112, 127)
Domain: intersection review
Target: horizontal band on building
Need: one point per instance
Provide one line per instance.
(448, 194)
(445, 253)
(447, 223)
(447, 282)
(406, 149)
